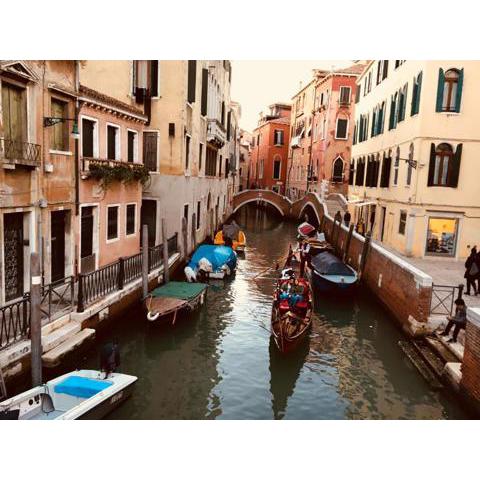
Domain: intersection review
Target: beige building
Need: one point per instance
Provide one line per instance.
(414, 173)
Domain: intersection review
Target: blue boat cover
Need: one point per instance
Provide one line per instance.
(81, 386)
(326, 263)
(217, 255)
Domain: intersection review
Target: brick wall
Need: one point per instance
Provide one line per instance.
(470, 383)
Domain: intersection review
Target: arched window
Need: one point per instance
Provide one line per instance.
(443, 161)
(450, 87)
(410, 165)
(337, 170)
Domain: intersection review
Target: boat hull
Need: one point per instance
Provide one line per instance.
(326, 285)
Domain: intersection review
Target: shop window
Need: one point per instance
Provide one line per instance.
(441, 236)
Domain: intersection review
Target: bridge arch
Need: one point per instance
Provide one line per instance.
(281, 203)
(251, 200)
(309, 213)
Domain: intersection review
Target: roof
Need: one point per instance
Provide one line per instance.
(111, 101)
(355, 69)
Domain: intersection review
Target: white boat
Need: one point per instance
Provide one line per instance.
(82, 394)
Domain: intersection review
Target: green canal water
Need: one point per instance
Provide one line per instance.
(222, 364)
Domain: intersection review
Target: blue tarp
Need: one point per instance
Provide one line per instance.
(217, 255)
(81, 387)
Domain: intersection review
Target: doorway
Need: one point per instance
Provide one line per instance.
(87, 254)
(13, 255)
(148, 217)
(382, 223)
(57, 237)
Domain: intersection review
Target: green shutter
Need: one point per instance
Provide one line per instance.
(404, 104)
(419, 90)
(414, 97)
(458, 97)
(454, 173)
(431, 166)
(441, 85)
(392, 113)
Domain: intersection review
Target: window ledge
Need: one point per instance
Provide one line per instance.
(450, 113)
(60, 152)
(113, 240)
(129, 235)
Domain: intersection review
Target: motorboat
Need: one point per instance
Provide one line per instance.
(238, 243)
(81, 394)
(211, 262)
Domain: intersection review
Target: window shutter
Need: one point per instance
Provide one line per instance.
(455, 169)
(458, 97)
(419, 89)
(374, 118)
(414, 97)
(392, 113)
(440, 87)
(204, 91)
(192, 77)
(388, 163)
(404, 103)
(229, 119)
(431, 166)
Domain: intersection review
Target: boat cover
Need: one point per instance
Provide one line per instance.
(81, 386)
(231, 231)
(305, 229)
(326, 263)
(180, 290)
(217, 255)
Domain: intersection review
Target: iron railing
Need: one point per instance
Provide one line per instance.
(14, 321)
(155, 257)
(132, 268)
(23, 153)
(57, 299)
(443, 299)
(87, 161)
(173, 244)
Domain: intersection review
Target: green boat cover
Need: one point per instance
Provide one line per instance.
(181, 290)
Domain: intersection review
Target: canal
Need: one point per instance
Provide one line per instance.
(222, 364)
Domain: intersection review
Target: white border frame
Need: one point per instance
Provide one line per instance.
(96, 137)
(117, 238)
(347, 129)
(135, 145)
(118, 141)
(135, 220)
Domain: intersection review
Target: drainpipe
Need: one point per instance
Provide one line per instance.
(77, 163)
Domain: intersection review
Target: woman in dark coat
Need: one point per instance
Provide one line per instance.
(472, 271)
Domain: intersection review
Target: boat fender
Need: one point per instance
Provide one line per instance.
(190, 274)
(152, 316)
(202, 298)
(227, 270)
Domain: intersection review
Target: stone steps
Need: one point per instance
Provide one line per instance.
(53, 357)
(59, 335)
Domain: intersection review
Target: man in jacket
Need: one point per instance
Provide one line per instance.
(459, 320)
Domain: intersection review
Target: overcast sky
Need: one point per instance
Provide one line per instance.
(259, 83)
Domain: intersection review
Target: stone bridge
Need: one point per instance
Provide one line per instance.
(310, 206)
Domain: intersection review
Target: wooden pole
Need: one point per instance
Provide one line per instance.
(166, 272)
(363, 260)
(194, 230)
(145, 260)
(347, 246)
(35, 319)
(185, 238)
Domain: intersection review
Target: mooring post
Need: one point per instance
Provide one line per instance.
(194, 230)
(460, 291)
(347, 245)
(145, 260)
(322, 223)
(185, 238)
(166, 272)
(338, 228)
(35, 319)
(366, 247)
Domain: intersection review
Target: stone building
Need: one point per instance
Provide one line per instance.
(269, 151)
(414, 180)
(245, 147)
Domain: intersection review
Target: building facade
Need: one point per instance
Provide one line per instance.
(268, 158)
(413, 180)
(245, 147)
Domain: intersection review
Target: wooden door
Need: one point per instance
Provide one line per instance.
(87, 138)
(14, 109)
(87, 255)
(13, 255)
(148, 217)
(150, 150)
(57, 232)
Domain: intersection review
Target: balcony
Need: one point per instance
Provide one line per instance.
(103, 162)
(295, 142)
(216, 134)
(19, 153)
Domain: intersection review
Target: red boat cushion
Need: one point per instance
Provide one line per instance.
(302, 304)
(284, 305)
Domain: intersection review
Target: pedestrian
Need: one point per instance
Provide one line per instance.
(472, 271)
(459, 320)
(347, 217)
(477, 277)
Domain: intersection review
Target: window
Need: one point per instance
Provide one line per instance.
(211, 162)
(113, 142)
(358, 93)
(220, 166)
(14, 106)
(185, 212)
(89, 138)
(198, 214)
(417, 88)
(192, 80)
(204, 102)
(396, 167)
(112, 222)
(392, 122)
(154, 78)
(59, 131)
(277, 164)
(130, 219)
(187, 152)
(132, 140)
(403, 222)
(200, 156)
(386, 167)
(150, 140)
(260, 170)
(385, 70)
(145, 79)
(402, 103)
(444, 167)
(278, 137)
(337, 170)
(441, 236)
(345, 95)
(342, 129)
(410, 165)
(351, 172)
(449, 90)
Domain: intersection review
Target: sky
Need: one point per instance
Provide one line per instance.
(259, 83)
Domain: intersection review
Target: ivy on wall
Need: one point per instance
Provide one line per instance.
(125, 174)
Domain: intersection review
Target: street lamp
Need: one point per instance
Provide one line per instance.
(51, 121)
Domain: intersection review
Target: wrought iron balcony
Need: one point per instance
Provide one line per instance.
(19, 153)
(216, 133)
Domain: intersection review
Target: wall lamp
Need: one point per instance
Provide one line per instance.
(51, 121)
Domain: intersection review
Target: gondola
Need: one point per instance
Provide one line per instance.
(292, 308)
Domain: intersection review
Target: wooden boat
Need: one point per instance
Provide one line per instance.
(173, 297)
(211, 261)
(238, 244)
(82, 394)
(328, 274)
(291, 317)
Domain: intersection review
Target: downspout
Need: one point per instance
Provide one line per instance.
(77, 160)
(309, 171)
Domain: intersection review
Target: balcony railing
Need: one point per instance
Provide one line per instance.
(20, 153)
(216, 133)
(87, 161)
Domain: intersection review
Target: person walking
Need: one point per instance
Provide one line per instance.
(472, 271)
(347, 217)
(477, 276)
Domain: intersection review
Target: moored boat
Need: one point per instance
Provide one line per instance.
(238, 243)
(211, 261)
(82, 394)
(330, 275)
(174, 297)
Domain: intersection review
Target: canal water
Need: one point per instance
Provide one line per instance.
(222, 364)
